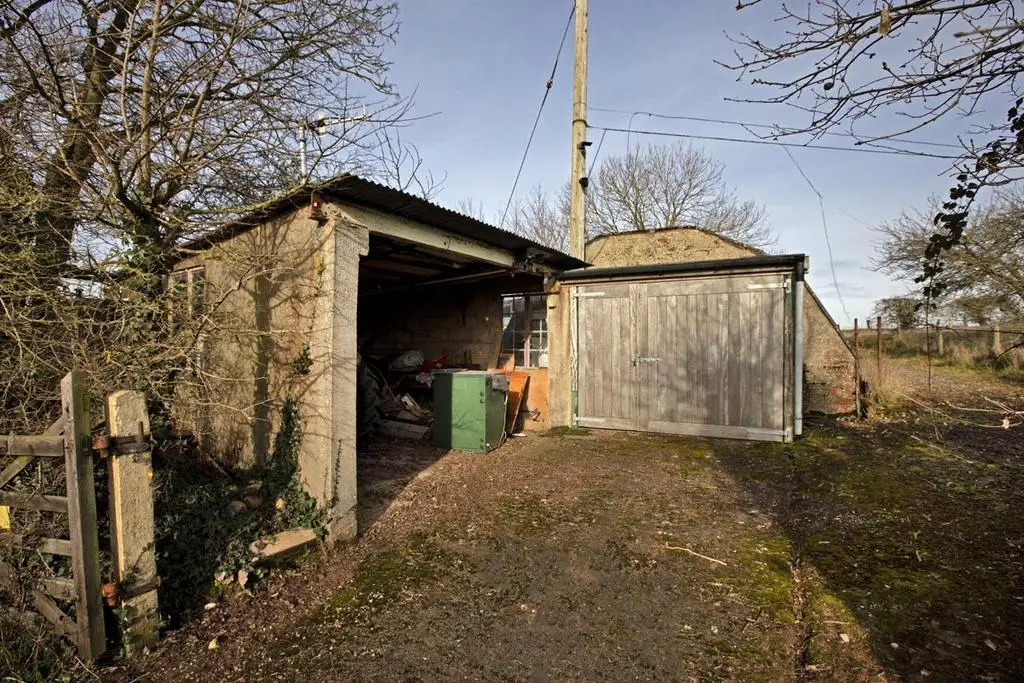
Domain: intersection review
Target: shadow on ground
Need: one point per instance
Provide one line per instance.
(921, 539)
(384, 468)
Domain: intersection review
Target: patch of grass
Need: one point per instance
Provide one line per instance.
(836, 645)
(31, 651)
(916, 540)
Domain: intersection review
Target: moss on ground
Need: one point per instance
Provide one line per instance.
(566, 431)
(914, 540)
(767, 577)
(382, 578)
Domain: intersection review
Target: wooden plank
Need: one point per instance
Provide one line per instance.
(58, 587)
(517, 383)
(776, 361)
(583, 380)
(62, 623)
(622, 384)
(132, 521)
(35, 446)
(756, 379)
(42, 603)
(717, 431)
(52, 546)
(606, 423)
(85, 560)
(639, 345)
(710, 286)
(33, 501)
(657, 333)
(734, 359)
(14, 468)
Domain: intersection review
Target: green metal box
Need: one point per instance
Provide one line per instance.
(469, 409)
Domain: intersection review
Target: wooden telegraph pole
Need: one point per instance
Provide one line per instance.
(578, 180)
(577, 189)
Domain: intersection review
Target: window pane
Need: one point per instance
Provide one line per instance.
(198, 291)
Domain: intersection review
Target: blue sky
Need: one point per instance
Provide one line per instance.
(482, 65)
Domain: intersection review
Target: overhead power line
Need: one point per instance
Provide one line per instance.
(824, 227)
(536, 120)
(775, 128)
(757, 141)
(597, 152)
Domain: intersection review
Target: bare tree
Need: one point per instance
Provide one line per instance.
(129, 127)
(983, 272)
(648, 188)
(471, 207)
(846, 62)
(672, 185)
(542, 218)
(148, 120)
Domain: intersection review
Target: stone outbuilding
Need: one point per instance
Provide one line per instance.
(297, 292)
(296, 295)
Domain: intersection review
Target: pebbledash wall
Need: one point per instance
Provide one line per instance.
(829, 381)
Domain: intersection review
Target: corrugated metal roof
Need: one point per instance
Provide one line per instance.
(356, 190)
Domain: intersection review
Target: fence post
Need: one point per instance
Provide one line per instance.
(131, 521)
(942, 345)
(856, 365)
(997, 340)
(878, 346)
(85, 557)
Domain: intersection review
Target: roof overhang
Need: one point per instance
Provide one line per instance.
(794, 262)
(353, 190)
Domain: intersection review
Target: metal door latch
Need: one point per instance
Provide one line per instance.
(642, 360)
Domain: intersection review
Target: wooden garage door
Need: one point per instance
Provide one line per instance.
(697, 356)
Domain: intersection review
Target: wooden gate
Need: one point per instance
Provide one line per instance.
(68, 438)
(128, 451)
(700, 356)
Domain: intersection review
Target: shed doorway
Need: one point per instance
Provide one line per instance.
(704, 356)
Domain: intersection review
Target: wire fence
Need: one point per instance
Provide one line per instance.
(996, 346)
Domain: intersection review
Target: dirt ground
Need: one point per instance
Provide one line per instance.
(883, 550)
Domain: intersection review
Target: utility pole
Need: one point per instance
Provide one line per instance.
(578, 179)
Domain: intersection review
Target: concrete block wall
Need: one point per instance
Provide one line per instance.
(460, 321)
(270, 299)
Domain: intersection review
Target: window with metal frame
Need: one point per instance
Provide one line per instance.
(525, 329)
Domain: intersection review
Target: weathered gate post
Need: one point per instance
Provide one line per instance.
(131, 519)
(81, 501)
